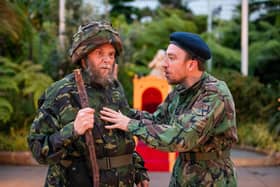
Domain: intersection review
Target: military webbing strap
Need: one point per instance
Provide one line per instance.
(205, 156)
(114, 162)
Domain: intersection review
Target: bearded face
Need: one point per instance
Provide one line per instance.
(102, 75)
(100, 65)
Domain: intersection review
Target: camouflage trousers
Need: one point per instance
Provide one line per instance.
(212, 173)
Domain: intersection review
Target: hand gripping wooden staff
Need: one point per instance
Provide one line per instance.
(89, 138)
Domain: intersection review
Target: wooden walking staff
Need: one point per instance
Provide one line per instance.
(89, 138)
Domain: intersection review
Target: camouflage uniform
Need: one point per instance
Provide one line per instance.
(197, 120)
(53, 141)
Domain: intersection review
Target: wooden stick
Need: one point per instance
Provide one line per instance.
(89, 138)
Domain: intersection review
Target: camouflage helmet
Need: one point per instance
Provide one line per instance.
(92, 35)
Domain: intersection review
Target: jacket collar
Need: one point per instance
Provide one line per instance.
(181, 89)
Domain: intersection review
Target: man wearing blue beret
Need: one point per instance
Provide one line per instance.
(197, 119)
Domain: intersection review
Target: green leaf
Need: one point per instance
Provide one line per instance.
(6, 110)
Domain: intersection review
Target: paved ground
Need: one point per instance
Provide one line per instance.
(253, 176)
(33, 176)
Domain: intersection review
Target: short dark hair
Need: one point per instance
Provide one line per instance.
(201, 63)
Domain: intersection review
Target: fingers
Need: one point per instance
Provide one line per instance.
(110, 115)
(112, 126)
(87, 110)
(108, 119)
(107, 114)
(109, 111)
(119, 120)
(84, 120)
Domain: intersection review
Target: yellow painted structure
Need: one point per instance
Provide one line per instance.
(143, 83)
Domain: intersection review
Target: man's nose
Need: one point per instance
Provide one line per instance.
(164, 63)
(106, 58)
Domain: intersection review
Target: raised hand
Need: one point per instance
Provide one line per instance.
(119, 120)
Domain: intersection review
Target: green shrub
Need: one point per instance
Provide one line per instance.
(274, 123)
(14, 141)
(258, 135)
(8, 86)
(254, 101)
(20, 88)
(222, 56)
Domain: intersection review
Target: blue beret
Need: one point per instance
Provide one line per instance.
(191, 43)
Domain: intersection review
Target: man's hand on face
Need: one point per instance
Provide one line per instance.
(84, 120)
(119, 120)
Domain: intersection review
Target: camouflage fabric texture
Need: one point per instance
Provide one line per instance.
(91, 36)
(52, 139)
(198, 119)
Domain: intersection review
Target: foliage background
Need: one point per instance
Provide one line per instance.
(30, 59)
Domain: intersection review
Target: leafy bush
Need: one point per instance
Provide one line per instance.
(20, 88)
(254, 101)
(274, 123)
(8, 85)
(222, 56)
(266, 54)
(15, 140)
(6, 110)
(258, 135)
(144, 39)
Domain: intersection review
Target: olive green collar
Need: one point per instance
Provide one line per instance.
(182, 89)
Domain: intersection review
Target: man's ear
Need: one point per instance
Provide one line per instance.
(83, 63)
(189, 65)
(193, 64)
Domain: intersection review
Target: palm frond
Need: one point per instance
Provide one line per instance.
(35, 81)
(6, 110)
(7, 83)
(7, 72)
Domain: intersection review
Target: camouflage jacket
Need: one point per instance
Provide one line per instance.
(198, 119)
(52, 139)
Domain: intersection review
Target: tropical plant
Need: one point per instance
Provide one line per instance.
(15, 29)
(264, 53)
(8, 84)
(258, 135)
(19, 83)
(223, 57)
(32, 80)
(121, 7)
(267, 10)
(254, 101)
(274, 123)
(150, 37)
